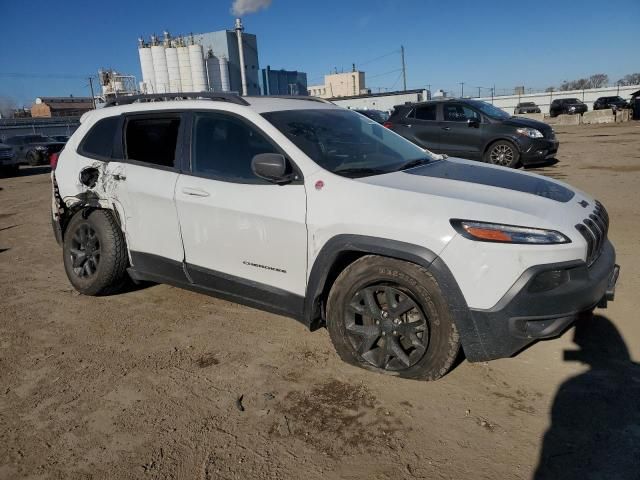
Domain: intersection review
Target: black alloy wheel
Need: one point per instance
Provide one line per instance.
(85, 251)
(387, 327)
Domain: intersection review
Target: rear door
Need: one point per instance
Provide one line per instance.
(420, 126)
(459, 137)
(141, 180)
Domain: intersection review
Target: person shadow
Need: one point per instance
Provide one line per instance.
(595, 418)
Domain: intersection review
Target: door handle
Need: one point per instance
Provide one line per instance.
(446, 128)
(195, 192)
(118, 177)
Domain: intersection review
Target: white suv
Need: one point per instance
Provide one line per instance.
(309, 210)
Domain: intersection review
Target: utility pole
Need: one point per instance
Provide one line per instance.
(462, 92)
(404, 69)
(93, 98)
(479, 92)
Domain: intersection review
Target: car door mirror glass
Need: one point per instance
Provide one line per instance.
(272, 167)
(473, 122)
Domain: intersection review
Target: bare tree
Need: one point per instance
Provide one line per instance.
(7, 106)
(630, 79)
(598, 80)
(550, 89)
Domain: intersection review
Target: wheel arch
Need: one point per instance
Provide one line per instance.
(342, 250)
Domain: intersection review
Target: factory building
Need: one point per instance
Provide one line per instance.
(61, 106)
(283, 82)
(200, 62)
(340, 85)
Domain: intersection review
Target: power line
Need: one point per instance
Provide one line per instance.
(361, 64)
(385, 73)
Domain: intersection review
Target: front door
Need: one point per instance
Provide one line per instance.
(421, 127)
(242, 235)
(459, 137)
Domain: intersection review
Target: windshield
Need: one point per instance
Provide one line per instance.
(572, 100)
(527, 104)
(489, 110)
(346, 143)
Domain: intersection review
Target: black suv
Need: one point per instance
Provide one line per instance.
(526, 107)
(567, 106)
(34, 149)
(615, 103)
(475, 130)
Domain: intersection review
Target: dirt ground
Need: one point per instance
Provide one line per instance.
(164, 383)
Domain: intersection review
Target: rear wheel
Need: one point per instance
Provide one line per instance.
(95, 255)
(391, 316)
(32, 159)
(502, 153)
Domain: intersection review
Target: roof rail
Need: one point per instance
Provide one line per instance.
(166, 97)
(295, 97)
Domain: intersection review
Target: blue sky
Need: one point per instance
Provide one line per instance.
(536, 43)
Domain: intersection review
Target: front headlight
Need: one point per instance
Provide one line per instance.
(530, 132)
(496, 232)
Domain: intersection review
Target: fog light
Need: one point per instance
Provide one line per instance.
(549, 280)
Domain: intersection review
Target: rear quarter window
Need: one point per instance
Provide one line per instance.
(98, 142)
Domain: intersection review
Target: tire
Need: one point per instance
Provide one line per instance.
(103, 270)
(426, 332)
(502, 153)
(32, 159)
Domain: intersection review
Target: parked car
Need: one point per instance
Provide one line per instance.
(474, 130)
(375, 115)
(309, 210)
(615, 103)
(526, 107)
(8, 161)
(60, 138)
(567, 106)
(34, 149)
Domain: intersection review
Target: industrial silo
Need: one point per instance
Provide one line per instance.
(160, 68)
(185, 68)
(146, 65)
(173, 69)
(224, 74)
(198, 73)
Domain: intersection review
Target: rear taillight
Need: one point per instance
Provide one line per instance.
(387, 124)
(53, 160)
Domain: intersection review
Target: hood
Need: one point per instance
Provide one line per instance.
(527, 122)
(461, 187)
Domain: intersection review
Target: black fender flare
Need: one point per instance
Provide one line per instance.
(330, 254)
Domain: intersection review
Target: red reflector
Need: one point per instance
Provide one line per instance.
(387, 124)
(53, 160)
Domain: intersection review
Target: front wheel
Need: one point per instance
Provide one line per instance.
(502, 153)
(95, 255)
(32, 159)
(392, 317)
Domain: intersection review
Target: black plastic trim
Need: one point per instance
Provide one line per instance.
(147, 266)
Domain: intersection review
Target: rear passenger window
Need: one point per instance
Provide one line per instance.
(223, 147)
(152, 140)
(425, 112)
(98, 143)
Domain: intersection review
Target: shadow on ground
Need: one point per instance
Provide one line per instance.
(547, 163)
(26, 171)
(595, 419)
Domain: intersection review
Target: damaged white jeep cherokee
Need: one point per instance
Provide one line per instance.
(309, 210)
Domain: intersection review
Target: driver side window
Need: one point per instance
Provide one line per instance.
(223, 147)
(458, 113)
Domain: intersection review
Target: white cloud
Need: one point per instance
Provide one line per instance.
(242, 7)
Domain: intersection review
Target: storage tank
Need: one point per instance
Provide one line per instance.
(160, 69)
(185, 69)
(224, 74)
(198, 73)
(146, 65)
(173, 68)
(213, 73)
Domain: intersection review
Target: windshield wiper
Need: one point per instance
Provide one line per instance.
(413, 164)
(359, 171)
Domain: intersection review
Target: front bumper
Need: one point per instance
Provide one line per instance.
(537, 150)
(523, 316)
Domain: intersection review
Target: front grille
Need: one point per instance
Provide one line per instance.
(6, 153)
(594, 229)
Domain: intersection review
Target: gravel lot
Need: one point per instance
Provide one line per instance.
(165, 383)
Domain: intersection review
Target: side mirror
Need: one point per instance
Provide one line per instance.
(272, 167)
(473, 122)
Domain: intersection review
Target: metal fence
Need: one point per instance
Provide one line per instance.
(10, 127)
